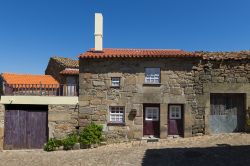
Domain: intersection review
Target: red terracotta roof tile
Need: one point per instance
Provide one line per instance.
(68, 71)
(137, 53)
(26, 79)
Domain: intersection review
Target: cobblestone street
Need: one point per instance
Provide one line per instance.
(225, 149)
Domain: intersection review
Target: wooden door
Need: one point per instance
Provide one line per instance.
(151, 120)
(36, 129)
(227, 113)
(25, 127)
(175, 120)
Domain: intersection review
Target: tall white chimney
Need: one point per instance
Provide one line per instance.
(98, 31)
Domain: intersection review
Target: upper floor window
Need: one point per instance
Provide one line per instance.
(152, 75)
(115, 81)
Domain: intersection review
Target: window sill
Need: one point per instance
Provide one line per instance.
(151, 84)
(115, 87)
(115, 124)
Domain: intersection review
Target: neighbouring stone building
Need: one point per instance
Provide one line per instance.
(65, 71)
(224, 82)
(136, 93)
(61, 67)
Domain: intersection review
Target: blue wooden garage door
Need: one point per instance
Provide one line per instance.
(227, 113)
(25, 126)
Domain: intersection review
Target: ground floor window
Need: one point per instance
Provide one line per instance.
(116, 114)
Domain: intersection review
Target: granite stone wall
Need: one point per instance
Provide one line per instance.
(226, 72)
(177, 87)
(62, 120)
(183, 81)
(1, 125)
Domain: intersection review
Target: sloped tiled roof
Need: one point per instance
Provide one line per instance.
(137, 53)
(26, 79)
(67, 62)
(69, 71)
(240, 55)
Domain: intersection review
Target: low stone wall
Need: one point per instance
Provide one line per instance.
(62, 120)
(1, 125)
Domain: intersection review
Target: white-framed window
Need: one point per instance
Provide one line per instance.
(116, 114)
(152, 113)
(115, 81)
(175, 112)
(152, 75)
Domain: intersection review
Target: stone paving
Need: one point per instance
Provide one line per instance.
(224, 149)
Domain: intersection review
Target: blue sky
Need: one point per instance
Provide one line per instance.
(31, 31)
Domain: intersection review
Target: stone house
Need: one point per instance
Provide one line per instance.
(137, 93)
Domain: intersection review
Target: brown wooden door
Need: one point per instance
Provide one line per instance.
(25, 127)
(175, 120)
(151, 120)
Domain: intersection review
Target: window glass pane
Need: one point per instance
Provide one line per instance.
(115, 81)
(175, 112)
(117, 114)
(152, 75)
(152, 114)
(172, 114)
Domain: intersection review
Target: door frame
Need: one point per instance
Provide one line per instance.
(159, 118)
(182, 117)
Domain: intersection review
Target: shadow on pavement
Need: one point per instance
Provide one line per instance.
(222, 155)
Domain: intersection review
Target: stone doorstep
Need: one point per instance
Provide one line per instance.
(174, 136)
(150, 139)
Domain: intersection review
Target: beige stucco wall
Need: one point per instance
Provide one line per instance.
(39, 100)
